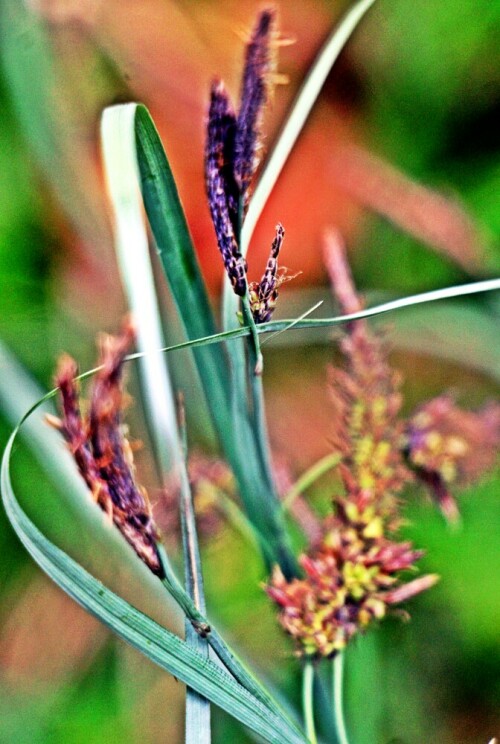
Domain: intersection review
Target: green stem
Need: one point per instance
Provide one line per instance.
(338, 709)
(328, 462)
(254, 333)
(230, 661)
(237, 518)
(308, 701)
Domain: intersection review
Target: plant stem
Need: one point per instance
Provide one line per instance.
(254, 333)
(238, 519)
(338, 710)
(312, 474)
(308, 701)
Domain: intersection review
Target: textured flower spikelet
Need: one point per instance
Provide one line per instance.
(231, 159)
(447, 445)
(257, 75)
(350, 581)
(366, 397)
(263, 294)
(102, 451)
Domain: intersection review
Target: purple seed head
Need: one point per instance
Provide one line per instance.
(222, 191)
(254, 94)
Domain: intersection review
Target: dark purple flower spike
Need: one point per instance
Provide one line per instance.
(222, 190)
(231, 159)
(259, 62)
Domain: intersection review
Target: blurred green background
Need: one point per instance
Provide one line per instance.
(414, 169)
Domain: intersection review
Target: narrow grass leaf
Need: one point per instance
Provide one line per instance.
(158, 644)
(235, 429)
(275, 326)
(465, 334)
(197, 730)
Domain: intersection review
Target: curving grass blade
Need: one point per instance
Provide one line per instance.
(164, 648)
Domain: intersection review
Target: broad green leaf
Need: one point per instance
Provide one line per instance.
(157, 643)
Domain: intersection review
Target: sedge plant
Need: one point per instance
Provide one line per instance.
(355, 567)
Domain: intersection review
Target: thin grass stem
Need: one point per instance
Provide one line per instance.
(237, 518)
(308, 701)
(338, 694)
(319, 468)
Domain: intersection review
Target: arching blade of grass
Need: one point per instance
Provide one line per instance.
(463, 333)
(237, 434)
(18, 394)
(155, 642)
(303, 323)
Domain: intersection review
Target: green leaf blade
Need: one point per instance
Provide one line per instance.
(155, 642)
(226, 403)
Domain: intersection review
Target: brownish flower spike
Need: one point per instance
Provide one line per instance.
(350, 581)
(447, 445)
(365, 396)
(102, 451)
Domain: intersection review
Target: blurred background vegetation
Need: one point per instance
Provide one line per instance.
(402, 154)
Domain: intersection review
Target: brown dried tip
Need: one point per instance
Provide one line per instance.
(101, 450)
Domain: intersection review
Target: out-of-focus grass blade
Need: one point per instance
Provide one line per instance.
(460, 333)
(161, 646)
(236, 433)
(301, 108)
(132, 251)
(48, 115)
